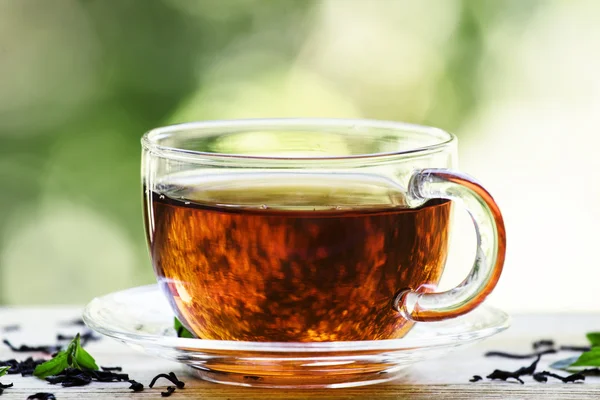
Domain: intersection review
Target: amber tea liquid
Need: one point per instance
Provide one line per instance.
(292, 259)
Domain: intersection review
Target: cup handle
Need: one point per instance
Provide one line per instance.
(491, 247)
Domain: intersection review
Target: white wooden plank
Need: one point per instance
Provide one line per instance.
(447, 377)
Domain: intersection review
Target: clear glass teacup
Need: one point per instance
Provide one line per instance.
(311, 229)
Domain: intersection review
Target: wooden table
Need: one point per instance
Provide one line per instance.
(446, 378)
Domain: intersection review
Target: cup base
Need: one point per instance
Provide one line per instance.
(303, 381)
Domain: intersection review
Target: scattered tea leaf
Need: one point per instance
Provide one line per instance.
(475, 378)
(85, 337)
(543, 343)
(540, 377)
(42, 396)
(26, 349)
(4, 370)
(112, 369)
(75, 377)
(181, 331)
(25, 367)
(71, 377)
(519, 356)
(11, 328)
(169, 392)
(176, 381)
(108, 376)
(565, 379)
(590, 372)
(530, 370)
(136, 386)
(593, 338)
(505, 375)
(74, 322)
(171, 377)
(575, 348)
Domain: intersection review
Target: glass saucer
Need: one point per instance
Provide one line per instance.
(141, 317)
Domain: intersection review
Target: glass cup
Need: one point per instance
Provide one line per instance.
(303, 230)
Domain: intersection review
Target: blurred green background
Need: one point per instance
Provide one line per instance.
(82, 80)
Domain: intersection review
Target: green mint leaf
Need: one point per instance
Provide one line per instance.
(73, 357)
(52, 367)
(181, 331)
(594, 338)
(3, 370)
(588, 359)
(85, 360)
(82, 358)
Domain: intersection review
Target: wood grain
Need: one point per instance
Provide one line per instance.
(444, 378)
